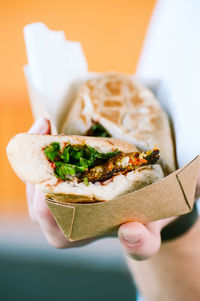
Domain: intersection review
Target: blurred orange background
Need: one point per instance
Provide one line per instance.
(111, 33)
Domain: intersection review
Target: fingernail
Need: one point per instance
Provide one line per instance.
(41, 126)
(130, 238)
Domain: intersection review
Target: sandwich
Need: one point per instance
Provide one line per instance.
(109, 147)
(115, 105)
(82, 169)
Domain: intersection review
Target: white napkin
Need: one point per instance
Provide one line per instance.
(55, 67)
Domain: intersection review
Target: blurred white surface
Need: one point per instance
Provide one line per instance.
(171, 53)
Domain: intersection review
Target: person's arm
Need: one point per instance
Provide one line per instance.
(173, 273)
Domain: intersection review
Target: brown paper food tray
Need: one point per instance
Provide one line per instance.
(171, 196)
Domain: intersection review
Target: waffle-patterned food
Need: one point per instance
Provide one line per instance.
(115, 105)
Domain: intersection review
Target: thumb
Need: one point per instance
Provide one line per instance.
(41, 126)
(140, 241)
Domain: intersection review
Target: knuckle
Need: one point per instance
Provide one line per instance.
(43, 212)
(32, 215)
(58, 244)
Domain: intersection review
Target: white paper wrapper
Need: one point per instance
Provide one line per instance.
(55, 68)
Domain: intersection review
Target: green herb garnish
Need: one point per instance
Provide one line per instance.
(74, 159)
(52, 151)
(97, 130)
(85, 180)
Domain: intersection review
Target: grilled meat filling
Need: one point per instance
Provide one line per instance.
(86, 164)
(121, 163)
(74, 159)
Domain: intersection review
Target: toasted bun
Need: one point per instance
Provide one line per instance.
(25, 153)
(127, 110)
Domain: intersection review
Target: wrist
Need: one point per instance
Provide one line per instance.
(179, 226)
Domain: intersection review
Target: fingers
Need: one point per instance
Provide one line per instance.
(38, 209)
(30, 193)
(39, 212)
(140, 241)
(47, 222)
(51, 230)
(41, 126)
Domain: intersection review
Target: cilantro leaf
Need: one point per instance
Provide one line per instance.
(65, 155)
(97, 130)
(52, 151)
(106, 156)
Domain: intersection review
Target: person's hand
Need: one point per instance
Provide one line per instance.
(38, 210)
(142, 241)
